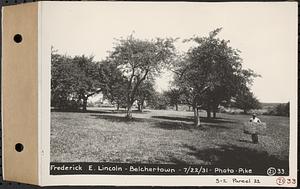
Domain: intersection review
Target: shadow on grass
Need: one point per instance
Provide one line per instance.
(209, 126)
(190, 118)
(246, 141)
(121, 118)
(217, 120)
(101, 111)
(140, 112)
(172, 125)
(165, 122)
(91, 111)
(233, 156)
(173, 118)
(180, 123)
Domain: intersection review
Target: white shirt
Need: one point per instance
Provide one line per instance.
(255, 120)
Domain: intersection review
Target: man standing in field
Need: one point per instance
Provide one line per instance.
(255, 119)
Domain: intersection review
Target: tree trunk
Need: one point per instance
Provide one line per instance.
(176, 107)
(208, 113)
(215, 109)
(118, 106)
(196, 117)
(129, 111)
(84, 104)
(142, 107)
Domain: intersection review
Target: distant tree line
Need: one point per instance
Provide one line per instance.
(282, 109)
(208, 75)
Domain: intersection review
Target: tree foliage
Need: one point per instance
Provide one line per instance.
(140, 60)
(282, 109)
(211, 73)
(159, 101)
(246, 101)
(63, 88)
(145, 94)
(73, 81)
(174, 97)
(113, 83)
(86, 78)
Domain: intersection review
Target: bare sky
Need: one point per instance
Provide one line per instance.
(266, 33)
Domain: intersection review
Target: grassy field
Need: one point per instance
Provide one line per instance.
(160, 136)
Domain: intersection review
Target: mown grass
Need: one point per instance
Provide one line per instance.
(160, 136)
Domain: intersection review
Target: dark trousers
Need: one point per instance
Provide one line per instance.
(255, 138)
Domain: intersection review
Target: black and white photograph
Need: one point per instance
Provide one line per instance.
(188, 85)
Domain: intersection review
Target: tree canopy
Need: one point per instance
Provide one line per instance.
(113, 83)
(209, 74)
(246, 101)
(73, 81)
(140, 60)
(174, 97)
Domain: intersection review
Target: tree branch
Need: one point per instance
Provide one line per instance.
(138, 84)
(91, 94)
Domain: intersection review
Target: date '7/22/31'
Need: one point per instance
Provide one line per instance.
(216, 170)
